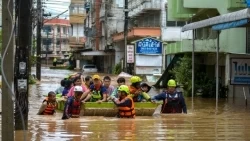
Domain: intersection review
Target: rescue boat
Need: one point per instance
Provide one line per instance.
(109, 109)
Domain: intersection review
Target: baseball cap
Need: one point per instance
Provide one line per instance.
(78, 89)
(96, 77)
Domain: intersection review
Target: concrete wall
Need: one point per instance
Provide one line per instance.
(185, 9)
(231, 41)
(119, 52)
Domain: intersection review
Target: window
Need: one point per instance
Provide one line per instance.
(47, 41)
(181, 23)
(64, 30)
(170, 23)
(73, 10)
(90, 67)
(176, 23)
(46, 28)
(58, 42)
(58, 29)
(81, 10)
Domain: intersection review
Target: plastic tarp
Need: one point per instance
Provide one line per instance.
(230, 24)
(225, 18)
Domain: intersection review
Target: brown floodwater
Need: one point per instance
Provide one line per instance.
(204, 121)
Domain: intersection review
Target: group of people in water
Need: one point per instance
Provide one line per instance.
(77, 89)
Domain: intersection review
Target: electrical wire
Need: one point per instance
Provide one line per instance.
(2, 66)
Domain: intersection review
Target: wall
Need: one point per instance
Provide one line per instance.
(231, 41)
(175, 34)
(185, 9)
(119, 52)
(234, 40)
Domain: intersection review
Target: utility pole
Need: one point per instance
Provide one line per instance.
(47, 46)
(22, 65)
(125, 33)
(8, 63)
(38, 40)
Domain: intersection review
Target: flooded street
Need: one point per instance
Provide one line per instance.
(230, 122)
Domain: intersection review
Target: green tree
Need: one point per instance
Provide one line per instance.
(1, 40)
(117, 69)
(0, 49)
(183, 73)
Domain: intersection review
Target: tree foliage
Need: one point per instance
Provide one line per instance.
(183, 73)
(117, 68)
(1, 40)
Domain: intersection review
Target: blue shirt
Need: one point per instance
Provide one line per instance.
(65, 91)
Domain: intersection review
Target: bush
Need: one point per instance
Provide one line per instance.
(183, 73)
(117, 68)
(32, 80)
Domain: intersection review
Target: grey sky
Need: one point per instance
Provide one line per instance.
(56, 7)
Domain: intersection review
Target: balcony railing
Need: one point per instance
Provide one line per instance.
(47, 48)
(77, 40)
(141, 6)
(77, 1)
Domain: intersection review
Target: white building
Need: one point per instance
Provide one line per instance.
(55, 38)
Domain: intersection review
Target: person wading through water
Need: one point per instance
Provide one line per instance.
(173, 101)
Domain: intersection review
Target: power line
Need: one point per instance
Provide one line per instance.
(55, 16)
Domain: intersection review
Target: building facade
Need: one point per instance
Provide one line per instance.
(1, 14)
(55, 39)
(77, 15)
(231, 41)
(104, 18)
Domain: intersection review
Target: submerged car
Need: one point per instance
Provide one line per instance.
(89, 68)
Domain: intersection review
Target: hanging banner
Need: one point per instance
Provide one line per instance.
(240, 71)
(130, 54)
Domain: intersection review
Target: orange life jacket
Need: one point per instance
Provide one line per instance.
(50, 109)
(127, 112)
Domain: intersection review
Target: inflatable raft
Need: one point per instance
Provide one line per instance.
(109, 109)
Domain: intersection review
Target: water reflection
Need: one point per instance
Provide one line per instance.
(231, 121)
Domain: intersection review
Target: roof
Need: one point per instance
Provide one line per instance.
(225, 18)
(57, 22)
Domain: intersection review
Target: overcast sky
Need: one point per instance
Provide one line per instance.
(56, 7)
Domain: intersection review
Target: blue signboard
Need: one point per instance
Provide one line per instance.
(148, 46)
(240, 71)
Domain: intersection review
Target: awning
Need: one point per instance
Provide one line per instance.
(225, 18)
(96, 53)
(230, 24)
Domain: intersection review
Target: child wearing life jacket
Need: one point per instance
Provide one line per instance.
(49, 105)
(136, 91)
(145, 89)
(124, 103)
(120, 81)
(73, 105)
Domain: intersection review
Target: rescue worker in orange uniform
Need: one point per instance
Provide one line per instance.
(173, 101)
(73, 105)
(125, 103)
(49, 105)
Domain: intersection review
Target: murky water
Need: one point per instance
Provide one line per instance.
(230, 122)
